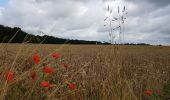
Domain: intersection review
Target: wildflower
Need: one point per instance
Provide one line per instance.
(158, 92)
(45, 84)
(48, 70)
(36, 58)
(148, 92)
(9, 76)
(71, 86)
(66, 65)
(56, 55)
(33, 75)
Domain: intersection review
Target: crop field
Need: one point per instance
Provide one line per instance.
(84, 72)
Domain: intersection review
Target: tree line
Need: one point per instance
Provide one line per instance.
(16, 35)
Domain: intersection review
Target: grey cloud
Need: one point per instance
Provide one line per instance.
(157, 3)
(147, 20)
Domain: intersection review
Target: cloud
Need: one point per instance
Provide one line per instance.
(147, 20)
(158, 3)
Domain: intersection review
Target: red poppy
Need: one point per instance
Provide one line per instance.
(33, 75)
(36, 58)
(9, 76)
(48, 70)
(66, 65)
(158, 92)
(56, 55)
(71, 86)
(45, 84)
(148, 92)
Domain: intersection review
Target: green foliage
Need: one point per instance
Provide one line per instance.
(166, 92)
(16, 35)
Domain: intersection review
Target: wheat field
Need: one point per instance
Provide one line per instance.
(99, 72)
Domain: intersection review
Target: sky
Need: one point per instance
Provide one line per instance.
(147, 21)
(3, 2)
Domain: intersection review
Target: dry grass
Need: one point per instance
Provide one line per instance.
(99, 72)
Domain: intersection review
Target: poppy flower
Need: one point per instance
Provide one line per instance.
(36, 58)
(71, 86)
(158, 92)
(148, 92)
(56, 55)
(48, 70)
(45, 84)
(33, 75)
(66, 65)
(9, 76)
